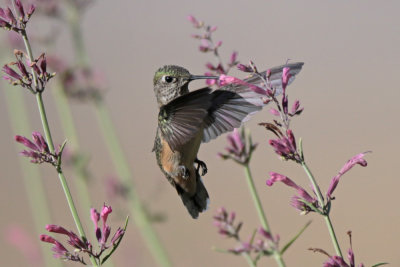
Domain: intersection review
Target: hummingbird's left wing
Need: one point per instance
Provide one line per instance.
(182, 118)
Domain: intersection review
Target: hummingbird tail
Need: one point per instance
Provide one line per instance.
(195, 203)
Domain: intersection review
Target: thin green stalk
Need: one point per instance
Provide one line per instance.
(124, 174)
(50, 143)
(32, 179)
(61, 176)
(121, 165)
(249, 259)
(260, 211)
(68, 125)
(256, 199)
(321, 202)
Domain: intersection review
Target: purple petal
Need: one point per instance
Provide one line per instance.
(285, 103)
(285, 77)
(292, 140)
(350, 256)
(105, 212)
(59, 250)
(20, 8)
(40, 142)
(75, 241)
(233, 58)
(295, 106)
(357, 159)
(43, 64)
(106, 233)
(244, 68)
(2, 13)
(26, 142)
(210, 66)
(31, 10)
(212, 28)
(237, 139)
(10, 16)
(11, 72)
(94, 215)
(193, 20)
(118, 234)
(276, 177)
(4, 23)
(274, 112)
(57, 229)
(265, 234)
(47, 238)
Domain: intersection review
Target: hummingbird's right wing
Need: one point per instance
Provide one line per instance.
(182, 118)
(275, 79)
(233, 103)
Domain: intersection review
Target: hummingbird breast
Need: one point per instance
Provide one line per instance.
(171, 162)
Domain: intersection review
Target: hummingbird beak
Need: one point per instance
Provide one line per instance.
(198, 77)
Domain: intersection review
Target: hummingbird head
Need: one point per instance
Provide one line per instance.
(172, 81)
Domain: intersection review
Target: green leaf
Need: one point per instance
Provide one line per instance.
(379, 264)
(60, 153)
(301, 149)
(252, 237)
(119, 241)
(295, 238)
(221, 250)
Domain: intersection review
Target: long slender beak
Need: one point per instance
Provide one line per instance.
(198, 77)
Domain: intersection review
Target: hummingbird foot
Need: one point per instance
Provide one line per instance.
(202, 165)
(184, 172)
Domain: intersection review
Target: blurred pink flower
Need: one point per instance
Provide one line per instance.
(20, 239)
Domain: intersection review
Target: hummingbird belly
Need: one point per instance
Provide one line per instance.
(172, 161)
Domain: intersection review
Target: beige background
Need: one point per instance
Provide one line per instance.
(349, 87)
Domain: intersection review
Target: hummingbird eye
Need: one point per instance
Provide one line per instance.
(168, 79)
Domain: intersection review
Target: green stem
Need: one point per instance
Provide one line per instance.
(68, 125)
(122, 167)
(69, 129)
(124, 174)
(322, 204)
(256, 199)
(61, 176)
(260, 211)
(32, 179)
(50, 143)
(249, 259)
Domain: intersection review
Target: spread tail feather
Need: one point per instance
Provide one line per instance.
(196, 203)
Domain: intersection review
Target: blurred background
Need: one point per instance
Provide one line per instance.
(349, 87)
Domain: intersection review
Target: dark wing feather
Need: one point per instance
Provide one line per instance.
(232, 104)
(227, 112)
(182, 118)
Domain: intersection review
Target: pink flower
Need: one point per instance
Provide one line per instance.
(106, 210)
(194, 21)
(274, 112)
(285, 77)
(225, 79)
(357, 159)
(239, 148)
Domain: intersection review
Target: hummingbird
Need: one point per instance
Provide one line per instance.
(188, 119)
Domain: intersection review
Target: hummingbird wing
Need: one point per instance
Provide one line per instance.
(182, 118)
(233, 103)
(227, 112)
